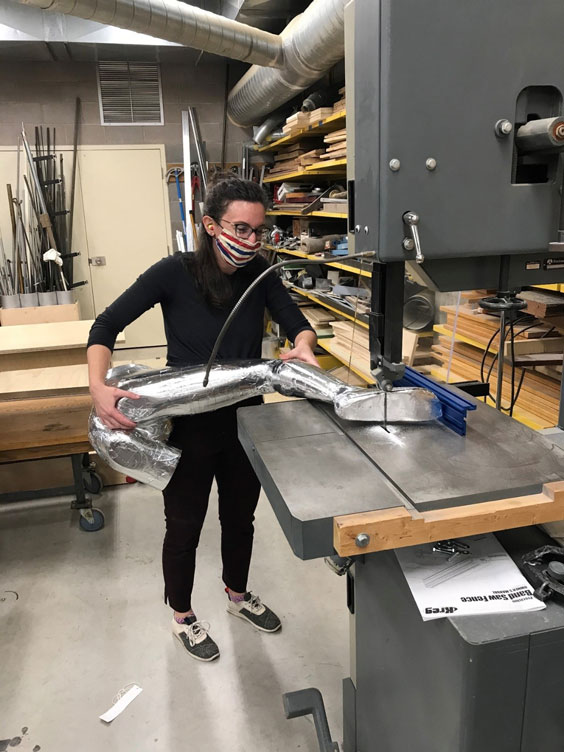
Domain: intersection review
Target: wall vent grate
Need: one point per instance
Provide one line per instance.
(130, 93)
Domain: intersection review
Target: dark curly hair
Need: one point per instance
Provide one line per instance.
(224, 188)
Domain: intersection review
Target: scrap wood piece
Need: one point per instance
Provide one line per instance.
(397, 527)
(543, 303)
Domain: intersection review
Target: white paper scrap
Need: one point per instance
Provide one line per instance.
(485, 581)
(119, 706)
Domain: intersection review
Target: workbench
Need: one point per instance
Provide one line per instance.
(44, 407)
(473, 684)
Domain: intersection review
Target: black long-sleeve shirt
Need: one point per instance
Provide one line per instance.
(191, 324)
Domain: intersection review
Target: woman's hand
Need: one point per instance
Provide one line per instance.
(105, 399)
(303, 349)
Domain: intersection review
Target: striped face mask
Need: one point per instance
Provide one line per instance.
(236, 251)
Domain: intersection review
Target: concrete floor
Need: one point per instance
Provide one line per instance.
(90, 619)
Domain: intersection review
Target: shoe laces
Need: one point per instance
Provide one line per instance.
(197, 632)
(254, 603)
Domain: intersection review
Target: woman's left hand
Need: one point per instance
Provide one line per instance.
(302, 351)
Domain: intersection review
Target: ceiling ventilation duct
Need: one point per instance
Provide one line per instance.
(282, 65)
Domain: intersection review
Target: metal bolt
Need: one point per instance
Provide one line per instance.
(395, 164)
(366, 230)
(503, 127)
(408, 244)
(357, 228)
(431, 164)
(362, 540)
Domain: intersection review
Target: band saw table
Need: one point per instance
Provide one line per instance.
(472, 684)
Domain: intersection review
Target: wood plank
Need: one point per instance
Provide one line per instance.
(63, 335)
(39, 359)
(44, 422)
(56, 381)
(398, 527)
(543, 303)
(44, 452)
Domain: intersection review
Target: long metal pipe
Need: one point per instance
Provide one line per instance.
(283, 65)
(177, 22)
(313, 42)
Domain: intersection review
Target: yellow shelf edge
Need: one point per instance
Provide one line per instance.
(282, 213)
(334, 264)
(329, 163)
(462, 338)
(311, 296)
(300, 174)
(311, 130)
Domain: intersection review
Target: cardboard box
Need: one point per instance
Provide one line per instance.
(50, 314)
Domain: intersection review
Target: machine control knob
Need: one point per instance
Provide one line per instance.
(362, 540)
(411, 220)
(556, 570)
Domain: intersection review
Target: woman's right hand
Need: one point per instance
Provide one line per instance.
(105, 399)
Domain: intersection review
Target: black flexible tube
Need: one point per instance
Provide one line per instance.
(251, 287)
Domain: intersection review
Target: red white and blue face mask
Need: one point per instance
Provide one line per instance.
(236, 252)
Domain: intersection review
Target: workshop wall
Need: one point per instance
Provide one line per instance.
(40, 92)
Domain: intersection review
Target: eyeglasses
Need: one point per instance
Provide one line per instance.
(244, 231)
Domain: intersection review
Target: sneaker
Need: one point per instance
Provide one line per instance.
(195, 638)
(253, 610)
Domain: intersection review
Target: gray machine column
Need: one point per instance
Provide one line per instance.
(472, 684)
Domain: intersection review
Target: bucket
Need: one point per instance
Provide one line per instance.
(64, 297)
(10, 301)
(47, 298)
(29, 299)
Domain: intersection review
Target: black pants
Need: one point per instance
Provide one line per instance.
(210, 449)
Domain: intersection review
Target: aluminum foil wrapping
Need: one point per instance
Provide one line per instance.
(148, 460)
(143, 453)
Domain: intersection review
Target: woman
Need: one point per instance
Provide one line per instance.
(196, 293)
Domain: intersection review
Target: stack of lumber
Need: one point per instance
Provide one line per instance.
(538, 353)
(296, 122)
(341, 104)
(336, 144)
(288, 158)
(320, 114)
(351, 345)
(320, 319)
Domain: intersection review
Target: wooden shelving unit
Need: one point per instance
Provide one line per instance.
(331, 123)
(327, 215)
(361, 320)
(352, 267)
(316, 170)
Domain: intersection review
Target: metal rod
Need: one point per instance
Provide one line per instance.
(199, 149)
(73, 177)
(500, 360)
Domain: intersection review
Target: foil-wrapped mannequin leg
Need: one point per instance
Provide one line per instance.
(142, 452)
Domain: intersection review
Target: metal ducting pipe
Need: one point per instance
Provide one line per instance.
(176, 22)
(313, 43)
(307, 48)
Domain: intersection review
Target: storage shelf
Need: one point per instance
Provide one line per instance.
(315, 129)
(328, 215)
(335, 308)
(440, 329)
(329, 163)
(325, 344)
(347, 267)
(309, 171)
